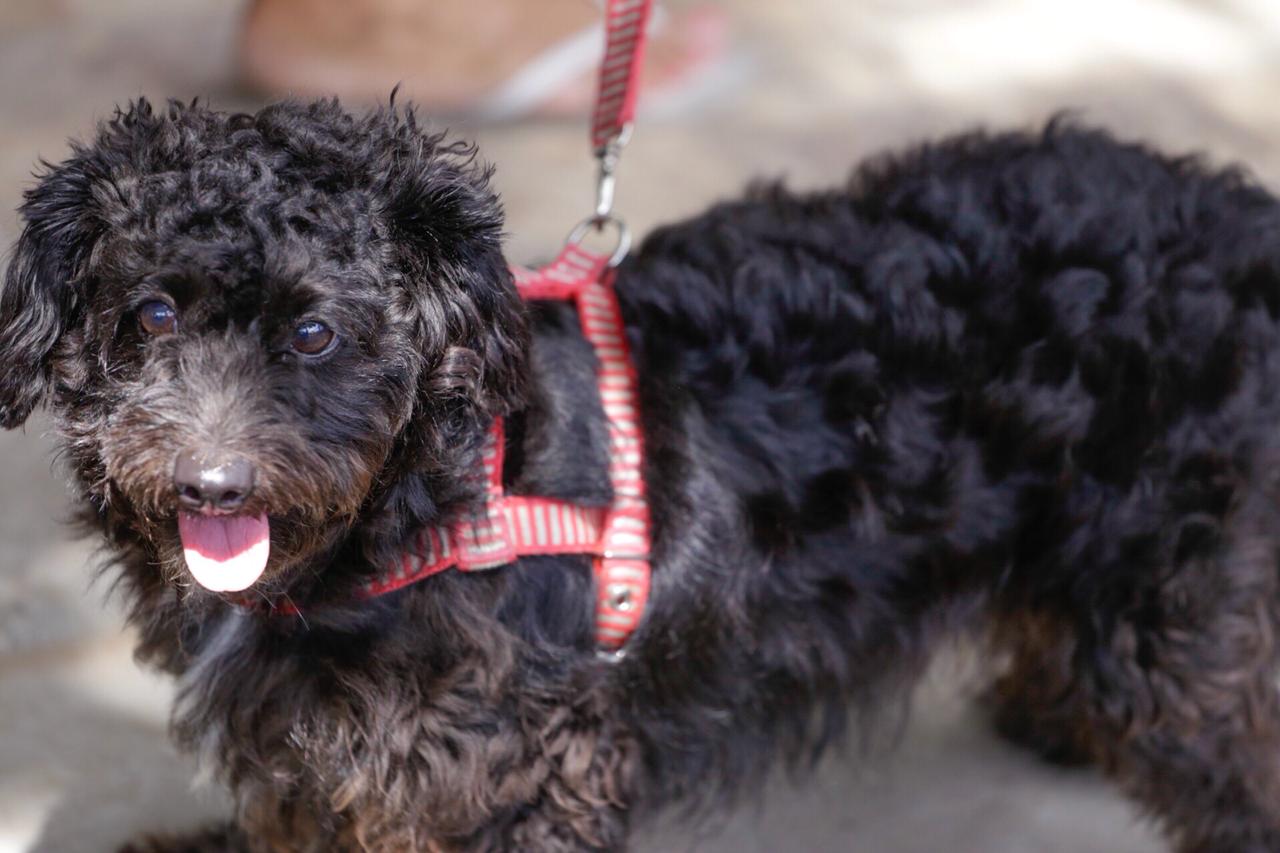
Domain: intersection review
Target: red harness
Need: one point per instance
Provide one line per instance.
(514, 526)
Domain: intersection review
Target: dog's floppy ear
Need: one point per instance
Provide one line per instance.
(43, 292)
(448, 223)
(40, 295)
(445, 229)
(44, 287)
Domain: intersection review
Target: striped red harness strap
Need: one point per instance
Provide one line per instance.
(514, 526)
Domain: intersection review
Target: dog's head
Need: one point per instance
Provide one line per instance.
(256, 331)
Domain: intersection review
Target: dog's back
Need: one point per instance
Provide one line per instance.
(1029, 376)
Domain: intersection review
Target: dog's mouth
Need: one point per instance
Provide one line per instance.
(225, 553)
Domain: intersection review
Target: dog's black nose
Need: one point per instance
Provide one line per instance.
(221, 483)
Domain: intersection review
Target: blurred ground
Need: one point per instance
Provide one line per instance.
(84, 760)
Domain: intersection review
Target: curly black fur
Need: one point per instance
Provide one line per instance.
(1023, 383)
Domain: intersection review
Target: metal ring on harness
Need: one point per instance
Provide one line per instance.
(599, 222)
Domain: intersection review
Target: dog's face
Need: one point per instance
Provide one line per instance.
(257, 331)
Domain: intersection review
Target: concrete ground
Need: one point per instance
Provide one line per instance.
(816, 84)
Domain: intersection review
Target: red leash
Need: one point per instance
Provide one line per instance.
(626, 28)
(511, 526)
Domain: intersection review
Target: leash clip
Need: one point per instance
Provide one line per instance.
(607, 157)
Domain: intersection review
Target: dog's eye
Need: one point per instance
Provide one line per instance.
(312, 338)
(157, 318)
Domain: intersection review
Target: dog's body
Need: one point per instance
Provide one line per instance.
(1021, 384)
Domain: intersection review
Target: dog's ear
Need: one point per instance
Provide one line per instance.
(41, 287)
(447, 224)
(43, 293)
(445, 228)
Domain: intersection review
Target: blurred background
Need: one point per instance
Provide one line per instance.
(797, 90)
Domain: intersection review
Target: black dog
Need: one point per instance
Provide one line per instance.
(1028, 384)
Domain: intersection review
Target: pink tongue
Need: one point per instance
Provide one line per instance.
(225, 553)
